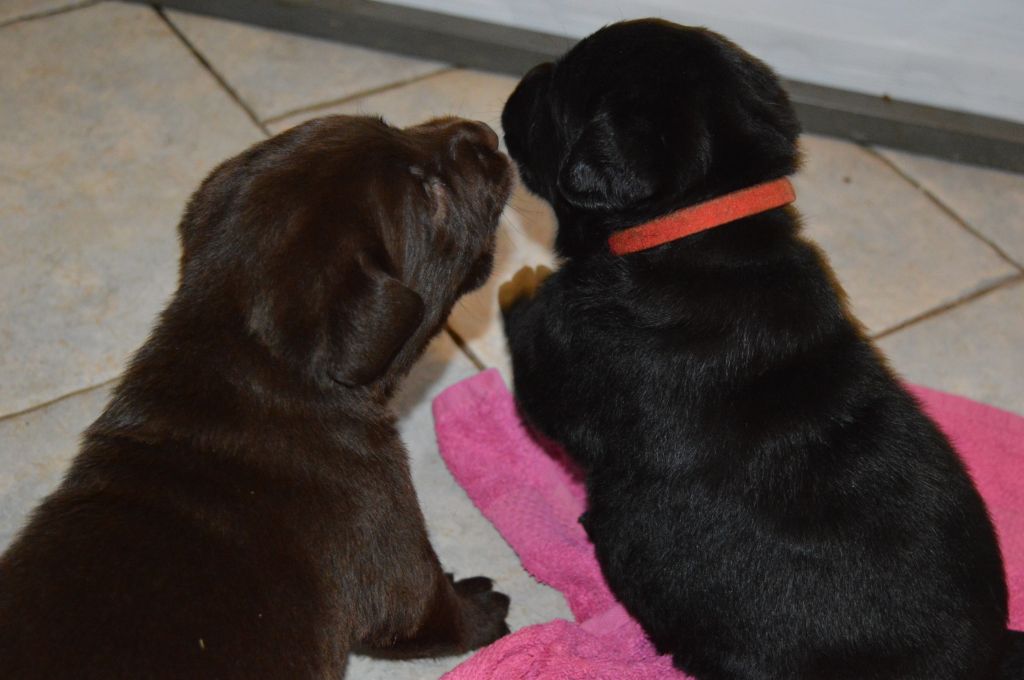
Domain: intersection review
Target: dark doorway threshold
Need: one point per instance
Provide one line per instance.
(942, 133)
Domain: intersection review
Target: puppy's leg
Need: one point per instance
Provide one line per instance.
(459, 616)
(544, 340)
(524, 304)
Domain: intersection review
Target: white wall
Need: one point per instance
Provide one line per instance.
(960, 54)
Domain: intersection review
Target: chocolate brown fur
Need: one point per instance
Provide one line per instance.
(243, 507)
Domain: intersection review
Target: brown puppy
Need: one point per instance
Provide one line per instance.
(243, 508)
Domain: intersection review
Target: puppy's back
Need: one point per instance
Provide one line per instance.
(161, 562)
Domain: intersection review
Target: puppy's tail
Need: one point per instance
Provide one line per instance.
(1012, 666)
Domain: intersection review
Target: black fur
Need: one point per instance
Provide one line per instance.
(764, 496)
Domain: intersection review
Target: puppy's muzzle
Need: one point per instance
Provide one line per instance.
(474, 165)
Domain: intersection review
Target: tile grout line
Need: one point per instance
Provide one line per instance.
(310, 108)
(51, 402)
(941, 205)
(1000, 284)
(461, 343)
(49, 12)
(212, 71)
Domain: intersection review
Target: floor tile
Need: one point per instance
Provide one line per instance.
(108, 123)
(989, 200)
(16, 9)
(527, 229)
(35, 449)
(976, 350)
(896, 253)
(276, 72)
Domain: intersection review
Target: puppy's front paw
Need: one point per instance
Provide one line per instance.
(484, 611)
(522, 286)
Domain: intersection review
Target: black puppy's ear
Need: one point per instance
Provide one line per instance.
(377, 315)
(615, 163)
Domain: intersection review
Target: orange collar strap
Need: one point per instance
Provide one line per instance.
(703, 216)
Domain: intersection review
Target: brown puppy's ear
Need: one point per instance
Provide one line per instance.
(376, 318)
(615, 163)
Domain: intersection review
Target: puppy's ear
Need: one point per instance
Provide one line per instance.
(376, 317)
(615, 163)
(346, 332)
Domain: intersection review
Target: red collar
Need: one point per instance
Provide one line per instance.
(703, 216)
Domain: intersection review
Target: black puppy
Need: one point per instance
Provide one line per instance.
(764, 496)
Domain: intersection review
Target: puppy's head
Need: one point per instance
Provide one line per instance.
(340, 246)
(642, 118)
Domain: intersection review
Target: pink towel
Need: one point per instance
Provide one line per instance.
(535, 500)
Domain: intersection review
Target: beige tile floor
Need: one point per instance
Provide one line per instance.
(109, 120)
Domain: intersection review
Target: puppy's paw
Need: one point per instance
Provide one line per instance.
(522, 286)
(484, 611)
(473, 585)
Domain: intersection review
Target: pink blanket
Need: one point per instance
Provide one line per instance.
(534, 501)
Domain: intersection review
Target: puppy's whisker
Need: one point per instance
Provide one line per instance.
(526, 208)
(471, 312)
